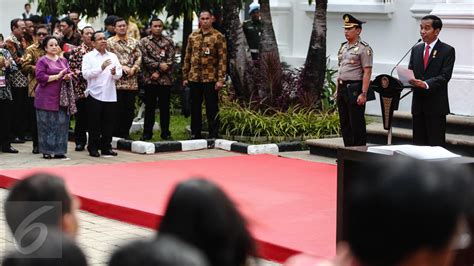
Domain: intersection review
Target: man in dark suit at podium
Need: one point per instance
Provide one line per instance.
(432, 63)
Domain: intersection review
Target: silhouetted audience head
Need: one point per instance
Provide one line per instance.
(163, 251)
(409, 212)
(201, 214)
(56, 250)
(45, 195)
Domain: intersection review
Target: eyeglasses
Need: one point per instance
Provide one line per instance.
(42, 34)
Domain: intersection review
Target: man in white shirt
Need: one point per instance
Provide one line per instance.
(101, 69)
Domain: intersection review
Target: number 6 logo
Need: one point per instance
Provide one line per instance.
(27, 226)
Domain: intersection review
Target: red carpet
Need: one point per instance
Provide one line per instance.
(290, 204)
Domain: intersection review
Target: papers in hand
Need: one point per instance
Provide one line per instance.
(405, 75)
(419, 152)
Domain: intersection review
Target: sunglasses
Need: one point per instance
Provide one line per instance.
(41, 34)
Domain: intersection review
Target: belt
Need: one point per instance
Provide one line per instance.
(347, 81)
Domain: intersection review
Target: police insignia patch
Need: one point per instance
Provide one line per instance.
(369, 52)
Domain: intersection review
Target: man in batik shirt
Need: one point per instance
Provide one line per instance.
(80, 85)
(158, 58)
(31, 56)
(204, 71)
(130, 57)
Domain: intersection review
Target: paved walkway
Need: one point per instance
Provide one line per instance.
(99, 236)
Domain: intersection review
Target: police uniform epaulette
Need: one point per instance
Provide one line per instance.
(340, 47)
(364, 43)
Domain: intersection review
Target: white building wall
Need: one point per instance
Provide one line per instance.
(391, 29)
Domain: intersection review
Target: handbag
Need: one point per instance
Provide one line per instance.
(67, 97)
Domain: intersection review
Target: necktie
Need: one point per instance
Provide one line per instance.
(427, 56)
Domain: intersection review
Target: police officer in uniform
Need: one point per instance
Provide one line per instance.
(355, 68)
(253, 30)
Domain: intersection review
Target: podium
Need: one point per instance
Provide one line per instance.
(389, 89)
(351, 167)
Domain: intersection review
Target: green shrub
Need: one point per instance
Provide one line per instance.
(293, 123)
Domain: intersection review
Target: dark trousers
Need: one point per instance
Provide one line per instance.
(5, 123)
(19, 119)
(210, 95)
(33, 126)
(163, 93)
(125, 113)
(101, 118)
(80, 128)
(352, 119)
(429, 130)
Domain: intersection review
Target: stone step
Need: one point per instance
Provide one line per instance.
(456, 124)
(457, 143)
(325, 147)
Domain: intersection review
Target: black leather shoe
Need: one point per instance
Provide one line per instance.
(196, 137)
(79, 147)
(60, 156)
(145, 137)
(94, 153)
(109, 152)
(18, 140)
(166, 137)
(47, 156)
(9, 149)
(35, 150)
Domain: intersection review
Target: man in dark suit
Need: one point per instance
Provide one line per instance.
(432, 63)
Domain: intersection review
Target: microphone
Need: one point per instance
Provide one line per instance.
(391, 72)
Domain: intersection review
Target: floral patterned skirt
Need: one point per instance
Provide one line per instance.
(53, 130)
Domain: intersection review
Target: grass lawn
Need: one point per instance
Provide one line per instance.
(178, 125)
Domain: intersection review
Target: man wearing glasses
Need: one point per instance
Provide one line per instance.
(31, 56)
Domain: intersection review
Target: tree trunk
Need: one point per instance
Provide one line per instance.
(268, 42)
(239, 58)
(315, 66)
(187, 30)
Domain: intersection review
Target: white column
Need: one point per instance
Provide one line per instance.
(282, 19)
(458, 31)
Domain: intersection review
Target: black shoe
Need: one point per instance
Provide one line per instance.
(109, 152)
(27, 138)
(60, 156)
(145, 137)
(79, 147)
(9, 149)
(166, 137)
(94, 153)
(196, 137)
(35, 149)
(47, 156)
(18, 140)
